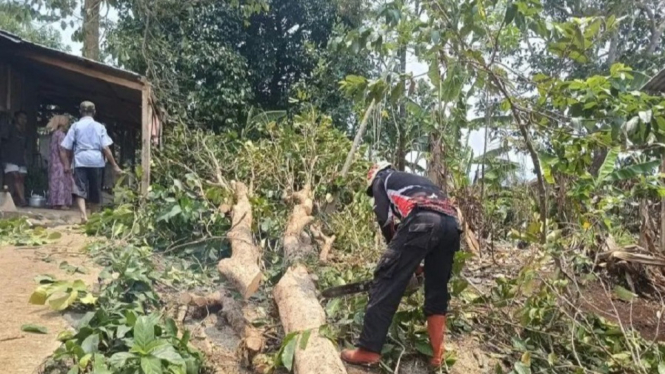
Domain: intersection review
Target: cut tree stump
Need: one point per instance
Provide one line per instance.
(297, 247)
(240, 317)
(242, 269)
(299, 311)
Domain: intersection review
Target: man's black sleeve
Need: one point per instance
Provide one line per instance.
(382, 209)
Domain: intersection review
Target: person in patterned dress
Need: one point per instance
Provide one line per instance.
(59, 182)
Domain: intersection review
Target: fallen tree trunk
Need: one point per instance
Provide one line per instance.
(242, 268)
(300, 311)
(296, 244)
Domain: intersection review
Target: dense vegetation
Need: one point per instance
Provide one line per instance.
(271, 93)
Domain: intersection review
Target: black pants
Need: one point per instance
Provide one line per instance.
(88, 184)
(424, 235)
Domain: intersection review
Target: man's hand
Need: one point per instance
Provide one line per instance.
(67, 168)
(117, 169)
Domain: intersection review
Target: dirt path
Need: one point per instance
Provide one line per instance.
(20, 352)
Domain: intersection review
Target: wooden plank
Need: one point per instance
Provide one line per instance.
(138, 85)
(146, 134)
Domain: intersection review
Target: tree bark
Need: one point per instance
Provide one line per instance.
(357, 139)
(656, 36)
(435, 167)
(524, 131)
(300, 311)
(662, 212)
(91, 22)
(401, 136)
(297, 245)
(242, 269)
(488, 116)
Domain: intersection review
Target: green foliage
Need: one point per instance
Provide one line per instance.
(20, 232)
(60, 295)
(211, 76)
(123, 333)
(18, 19)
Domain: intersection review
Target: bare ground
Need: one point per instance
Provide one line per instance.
(20, 352)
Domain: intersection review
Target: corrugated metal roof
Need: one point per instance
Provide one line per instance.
(82, 61)
(656, 84)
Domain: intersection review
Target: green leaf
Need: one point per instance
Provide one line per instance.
(434, 74)
(520, 368)
(168, 354)
(63, 336)
(88, 299)
(632, 171)
(511, 12)
(54, 236)
(155, 345)
(151, 365)
(424, 348)
(661, 368)
(397, 92)
(608, 166)
(144, 332)
(119, 359)
(624, 294)
(38, 297)
(61, 300)
(452, 87)
(304, 339)
(122, 331)
(646, 116)
(36, 329)
(288, 354)
(91, 344)
(435, 36)
(171, 327)
(175, 210)
(44, 279)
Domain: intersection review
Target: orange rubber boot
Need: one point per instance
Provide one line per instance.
(436, 328)
(361, 357)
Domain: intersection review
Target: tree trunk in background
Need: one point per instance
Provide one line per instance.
(662, 212)
(436, 169)
(91, 10)
(401, 122)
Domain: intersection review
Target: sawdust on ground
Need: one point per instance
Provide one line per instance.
(21, 352)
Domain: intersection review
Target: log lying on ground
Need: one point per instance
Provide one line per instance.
(296, 245)
(299, 311)
(242, 269)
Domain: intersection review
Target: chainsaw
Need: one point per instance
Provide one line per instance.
(359, 287)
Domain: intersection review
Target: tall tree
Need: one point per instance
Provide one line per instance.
(20, 19)
(90, 31)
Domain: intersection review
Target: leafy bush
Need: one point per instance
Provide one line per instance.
(124, 333)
